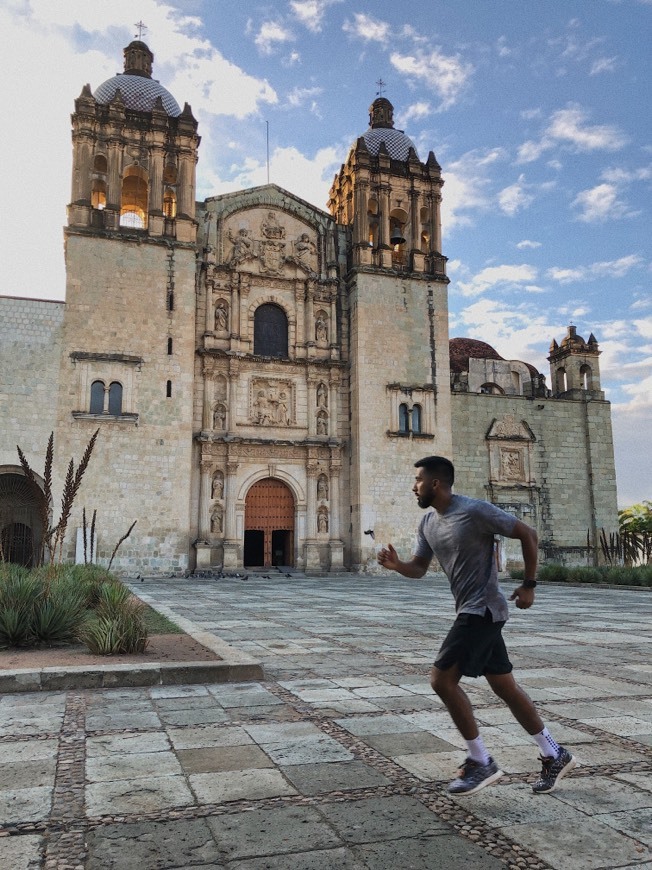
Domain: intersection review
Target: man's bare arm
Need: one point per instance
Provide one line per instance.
(529, 539)
(415, 568)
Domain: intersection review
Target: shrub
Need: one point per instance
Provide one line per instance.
(122, 633)
(553, 573)
(113, 598)
(59, 614)
(19, 591)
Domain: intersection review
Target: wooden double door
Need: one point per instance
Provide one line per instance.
(269, 525)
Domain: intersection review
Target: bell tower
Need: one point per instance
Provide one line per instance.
(389, 201)
(575, 367)
(127, 364)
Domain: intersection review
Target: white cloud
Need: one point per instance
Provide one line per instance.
(603, 64)
(311, 13)
(568, 127)
(506, 276)
(271, 34)
(515, 197)
(599, 204)
(445, 75)
(467, 181)
(367, 28)
(604, 268)
(416, 111)
(527, 243)
(300, 96)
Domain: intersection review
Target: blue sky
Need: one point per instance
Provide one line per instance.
(538, 112)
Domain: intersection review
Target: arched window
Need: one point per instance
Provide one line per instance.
(133, 206)
(98, 193)
(115, 399)
(586, 376)
(403, 418)
(270, 331)
(489, 389)
(97, 397)
(416, 419)
(169, 203)
(100, 164)
(561, 383)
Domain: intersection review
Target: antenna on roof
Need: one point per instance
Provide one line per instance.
(141, 27)
(381, 84)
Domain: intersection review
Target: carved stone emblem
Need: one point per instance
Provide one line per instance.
(511, 464)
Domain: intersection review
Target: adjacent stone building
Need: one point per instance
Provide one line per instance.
(263, 373)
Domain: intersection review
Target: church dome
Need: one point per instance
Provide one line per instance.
(463, 349)
(381, 130)
(138, 89)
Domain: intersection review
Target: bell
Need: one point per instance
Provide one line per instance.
(396, 237)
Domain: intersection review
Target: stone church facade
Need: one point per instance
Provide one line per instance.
(263, 373)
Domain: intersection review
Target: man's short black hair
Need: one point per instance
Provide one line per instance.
(439, 467)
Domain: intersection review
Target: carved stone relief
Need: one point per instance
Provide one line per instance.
(270, 247)
(272, 402)
(511, 464)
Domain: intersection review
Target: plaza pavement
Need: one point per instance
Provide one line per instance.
(339, 757)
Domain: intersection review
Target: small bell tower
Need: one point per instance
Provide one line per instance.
(575, 367)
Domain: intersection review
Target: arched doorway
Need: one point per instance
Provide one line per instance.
(269, 524)
(21, 524)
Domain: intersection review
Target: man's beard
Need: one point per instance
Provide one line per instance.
(424, 501)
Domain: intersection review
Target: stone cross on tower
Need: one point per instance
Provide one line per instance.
(381, 84)
(141, 27)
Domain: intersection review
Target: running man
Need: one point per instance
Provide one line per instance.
(460, 532)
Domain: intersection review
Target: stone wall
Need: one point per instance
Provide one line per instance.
(30, 345)
(562, 477)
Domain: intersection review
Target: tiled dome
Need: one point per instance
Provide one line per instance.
(396, 142)
(381, 130)
(138, 92)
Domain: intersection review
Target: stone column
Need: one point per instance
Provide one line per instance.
(312, 548)
(203, 545)
(231, 543)
(336, 545)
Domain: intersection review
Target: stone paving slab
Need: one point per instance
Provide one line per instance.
(339, 757)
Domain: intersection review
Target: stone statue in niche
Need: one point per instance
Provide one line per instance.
(321, 329)
(322, 423)
(322, 521)
(243, 247)
(322, 488)
(219, 417)
(305, 253)
(221, 316)
(217, 520)
(217, 485)
(322, 396)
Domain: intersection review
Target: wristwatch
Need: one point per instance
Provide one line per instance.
(529, 584)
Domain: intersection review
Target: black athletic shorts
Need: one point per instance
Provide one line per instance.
(476, 645)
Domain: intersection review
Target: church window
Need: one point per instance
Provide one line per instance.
(98, 193)
(169, 347)
(170, 300)
(97, 397)
(133, 205)
(100, 164)
(168, 390)
(169, 203)
(416, 419)
(115, 399)
(561, 383)
(270, 331)
(585, 375)
(403, 418)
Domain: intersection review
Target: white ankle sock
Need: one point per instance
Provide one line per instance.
(477, 750)
(549, 748)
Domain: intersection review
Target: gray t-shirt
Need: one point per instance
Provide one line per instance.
(462, 539)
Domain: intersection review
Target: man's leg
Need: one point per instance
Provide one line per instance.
(556, 760)
(479, 769)
(446, 684)
(523, 710)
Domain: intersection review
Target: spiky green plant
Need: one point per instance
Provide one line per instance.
(121, 634)
(19, 592)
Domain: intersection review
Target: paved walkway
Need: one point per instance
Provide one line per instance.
(338, 760)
